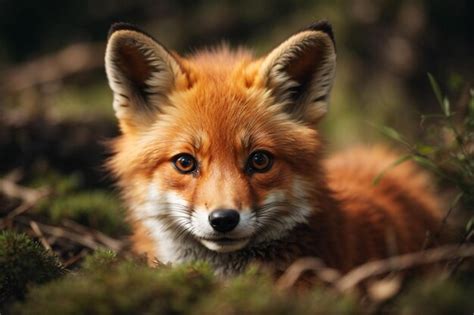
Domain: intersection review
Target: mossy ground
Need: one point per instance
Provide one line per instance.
(106, 283)
(52, 138)
(23, 263)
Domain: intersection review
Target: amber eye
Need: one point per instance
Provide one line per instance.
(259, 161)
(185, 163)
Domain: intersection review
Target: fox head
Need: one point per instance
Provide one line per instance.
(220, 147)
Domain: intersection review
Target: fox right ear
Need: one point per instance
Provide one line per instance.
(300, 72)
(141, 74)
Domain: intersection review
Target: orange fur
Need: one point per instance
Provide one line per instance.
(220, 110)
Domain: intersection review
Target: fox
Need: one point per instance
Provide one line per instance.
(220, 159)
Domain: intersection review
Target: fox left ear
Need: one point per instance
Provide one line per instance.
(141, 74)
(301, 70)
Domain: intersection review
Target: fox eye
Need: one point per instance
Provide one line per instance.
(259, 161)
(185, 163)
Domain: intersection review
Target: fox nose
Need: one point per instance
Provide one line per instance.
(224, 220)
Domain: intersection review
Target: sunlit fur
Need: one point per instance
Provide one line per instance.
(221, 105)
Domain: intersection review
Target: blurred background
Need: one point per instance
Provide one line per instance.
(56, 108)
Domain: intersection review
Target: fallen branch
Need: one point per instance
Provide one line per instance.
(87, 239)
(59, 232)
(36, 229)
(29, 198)
(10, 189)
(74, 259)
(71, 60)
(403, 262)
(99, 236)
(467, 238)
(353, 278)
(316, 265)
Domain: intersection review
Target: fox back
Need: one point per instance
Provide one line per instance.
(220, 159)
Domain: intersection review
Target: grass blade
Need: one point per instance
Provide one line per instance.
(436, 89)
(392, 165)
(426, 163)
(392, 134)
(439, 96)
(446, 107)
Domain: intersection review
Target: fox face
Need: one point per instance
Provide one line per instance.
(219, 149)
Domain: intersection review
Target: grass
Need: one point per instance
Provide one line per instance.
(23, 263)
(108, 283)
(446, 151)
(96, 208)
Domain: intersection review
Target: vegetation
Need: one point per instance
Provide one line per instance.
(108, 284)
(24, 262)
(438, 296)
(63, 239)
(97, 209)
(446, 149)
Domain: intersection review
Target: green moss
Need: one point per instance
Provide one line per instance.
(97, 209)
(100, 259)
(437, 296)
(24, 262)
(254, 293)
(324, 301)
(58, 183)
(107, 286)
(250, 293)
(90, 100)
(126, 288)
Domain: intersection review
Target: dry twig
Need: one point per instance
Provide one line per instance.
(74, 259)
(36, 229)
(68, 239)
(316, 265)
(101, 238)
(29, 197)
(60, 232)
(402, 262)
(71, 60)
(372, 269)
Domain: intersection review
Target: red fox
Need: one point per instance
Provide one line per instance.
(220, 159)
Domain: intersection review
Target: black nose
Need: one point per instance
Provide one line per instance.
(224, 220)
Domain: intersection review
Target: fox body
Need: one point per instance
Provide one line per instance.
(220, 159)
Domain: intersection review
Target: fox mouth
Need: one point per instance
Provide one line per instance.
(224, 240)
(224, 244)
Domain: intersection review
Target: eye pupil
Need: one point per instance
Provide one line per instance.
(185, 163)
(260, 162)
(260, 159)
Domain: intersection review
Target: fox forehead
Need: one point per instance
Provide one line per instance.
(219, 86)
(220, 64)
(224, 120)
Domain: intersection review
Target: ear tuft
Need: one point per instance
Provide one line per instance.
(300, 72)
(323, 26)
(141, 73)
(124, 26)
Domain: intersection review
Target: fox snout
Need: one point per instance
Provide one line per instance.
(224, 220)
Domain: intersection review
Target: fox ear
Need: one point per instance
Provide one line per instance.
(141, 74)
(301, 70)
